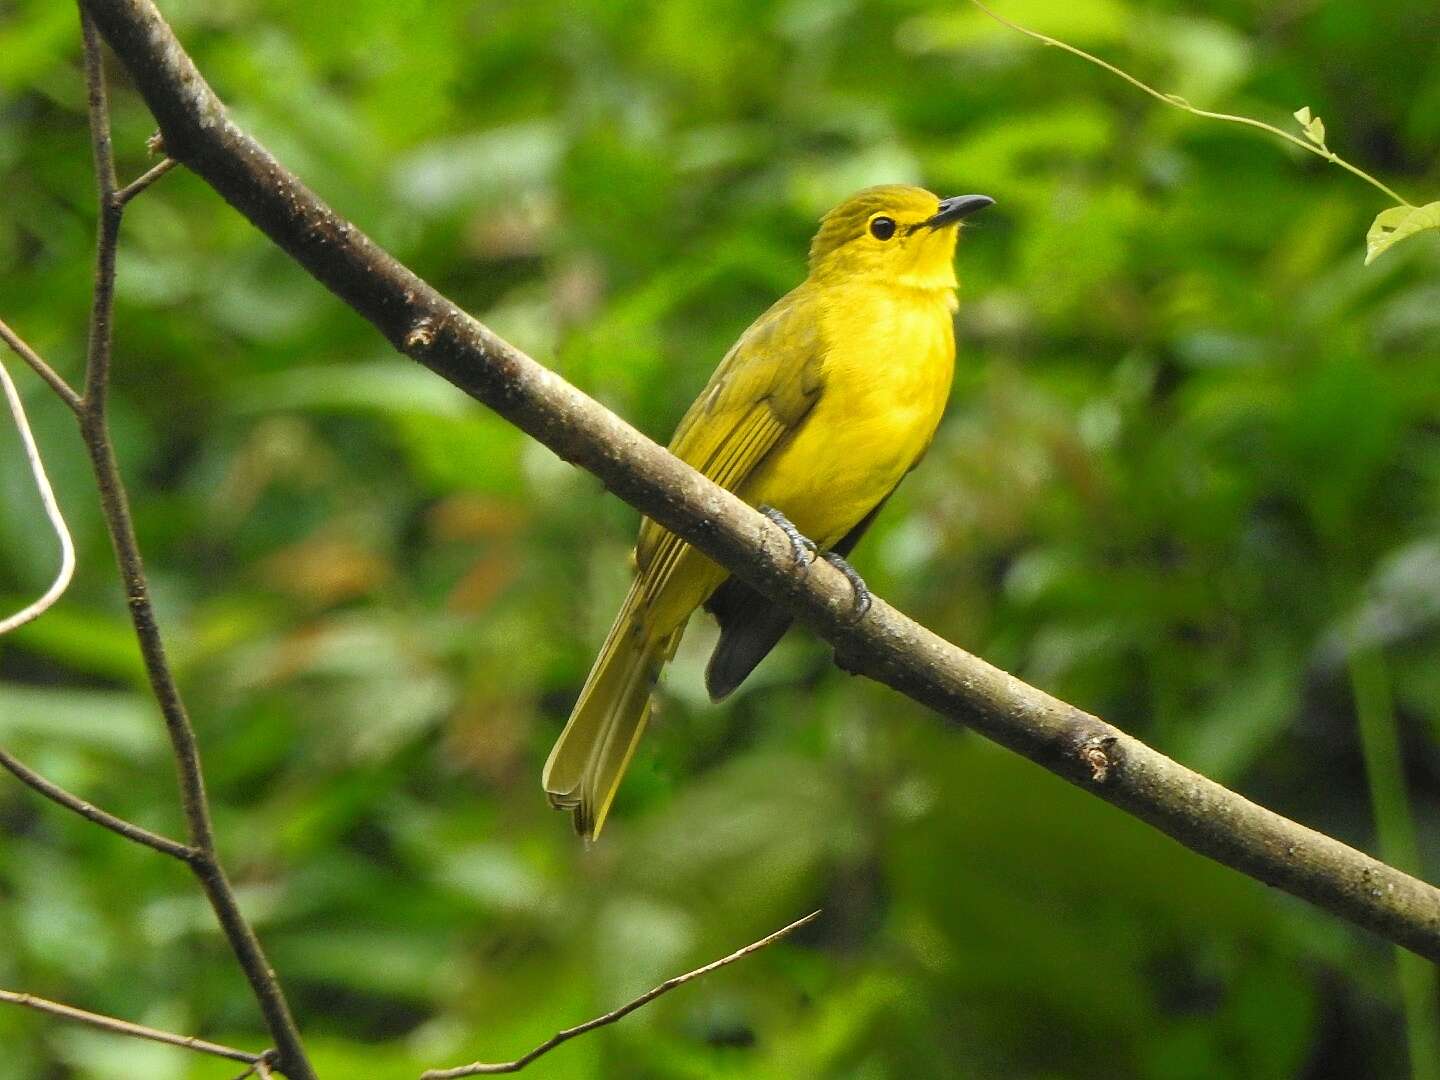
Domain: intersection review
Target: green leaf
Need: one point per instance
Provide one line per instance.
(1396, 224)
(1302, 114)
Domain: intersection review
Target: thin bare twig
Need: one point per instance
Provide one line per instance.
(102, 304)
(90, 812)
(143, 181)
(52, 511)
(1178, 102)
(481, 1068)
(63, 389)
(94, 429)
(125, 1027)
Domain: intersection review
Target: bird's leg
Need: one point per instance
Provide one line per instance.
(857, 583)
(800, 544)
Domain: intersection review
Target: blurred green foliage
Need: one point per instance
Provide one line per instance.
(1192, 460)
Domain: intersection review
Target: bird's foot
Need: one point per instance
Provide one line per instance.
(801, 545)
(857, 584)
(805, 551)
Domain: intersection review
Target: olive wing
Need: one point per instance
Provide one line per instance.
(761, 392)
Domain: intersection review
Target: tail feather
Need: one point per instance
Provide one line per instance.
(750, 626)
(584, 769)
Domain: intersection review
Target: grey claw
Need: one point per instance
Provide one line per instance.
(801, 545)
(857, 584)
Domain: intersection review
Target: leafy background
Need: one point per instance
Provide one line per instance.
(1189, 479)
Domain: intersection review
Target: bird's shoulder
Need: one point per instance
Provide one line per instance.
(777, 362)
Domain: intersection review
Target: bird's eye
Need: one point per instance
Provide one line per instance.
(882, 227)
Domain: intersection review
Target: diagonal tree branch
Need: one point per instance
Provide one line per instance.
(481, 1068)
(884, 644)
(135, 1031)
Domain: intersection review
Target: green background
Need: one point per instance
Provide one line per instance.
(1189, 479)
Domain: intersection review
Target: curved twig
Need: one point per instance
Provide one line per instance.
(52, 511)
(1175, 101)
(481, 1068)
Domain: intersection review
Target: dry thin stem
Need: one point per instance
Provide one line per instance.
(21, 771)
(481, 1068)
(134, 1031)
(63, 389)
(1176, 101)
(52, 511)
(143, 181)
(102, 304)
(94, 428)
(90, 812)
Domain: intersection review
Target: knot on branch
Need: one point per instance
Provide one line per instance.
(421, 335)
(1097, 753)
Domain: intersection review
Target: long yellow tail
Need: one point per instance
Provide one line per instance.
(585, 767)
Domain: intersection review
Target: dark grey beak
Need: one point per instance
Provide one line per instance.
(957, 207)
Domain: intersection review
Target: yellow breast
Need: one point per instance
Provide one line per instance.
(889, 359)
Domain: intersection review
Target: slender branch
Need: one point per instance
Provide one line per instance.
(94, 429)
(102, 304)
(62, 389)
(1177, 102)
(479, 1068)
(884, 645)
(90, 812)
(135, 1031)
(140, 183)
(52, 511)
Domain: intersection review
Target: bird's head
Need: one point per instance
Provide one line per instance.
(895, 233)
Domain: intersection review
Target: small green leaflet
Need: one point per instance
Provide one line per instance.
(1396, 224)
(1313, 125)
(1390, 226)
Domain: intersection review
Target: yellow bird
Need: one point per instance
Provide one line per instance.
(815, 415)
